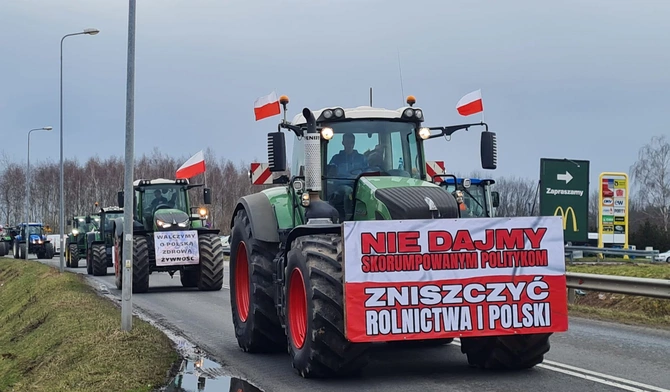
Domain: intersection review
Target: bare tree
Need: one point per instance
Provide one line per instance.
(651, 174)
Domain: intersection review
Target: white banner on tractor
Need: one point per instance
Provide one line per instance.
(434, 168)
(445, 278)
(260, 174)
(176, 248)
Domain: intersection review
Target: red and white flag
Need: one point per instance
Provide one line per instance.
(194, 166)
(470, 104)
(266, 106)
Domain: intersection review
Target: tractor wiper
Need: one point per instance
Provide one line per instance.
(473, 198)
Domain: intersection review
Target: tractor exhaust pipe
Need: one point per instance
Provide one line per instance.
(312, 156)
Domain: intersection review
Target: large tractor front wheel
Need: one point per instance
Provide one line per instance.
(98, 260)
(257, 325)
(73, 255)
(140, 264)
(315, 310)
(513, 352)
(210, 270)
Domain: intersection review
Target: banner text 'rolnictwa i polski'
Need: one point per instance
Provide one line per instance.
(425, 279)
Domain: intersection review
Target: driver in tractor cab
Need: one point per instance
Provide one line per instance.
(158, 199)
(345, 164)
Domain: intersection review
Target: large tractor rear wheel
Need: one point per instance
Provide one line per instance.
(315, 310)
(140, 264)
(189, 278)
(98, 260)
(2, 248)
(210, 272)
(50, 250)
(513, 352)
(257, 325)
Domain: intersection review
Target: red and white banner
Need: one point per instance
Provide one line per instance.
(266, 106)
(440, 278)
(194, 166)
(434, 168)
(470, 104)
(260, 174)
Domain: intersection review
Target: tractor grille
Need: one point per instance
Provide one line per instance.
(413, 202)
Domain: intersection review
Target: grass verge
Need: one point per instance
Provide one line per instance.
(627, 309)
(57, 334)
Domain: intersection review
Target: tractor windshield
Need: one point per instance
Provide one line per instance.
(109, 218)
(474, 200)
(385, 146)
(167, 196)
(34, 230)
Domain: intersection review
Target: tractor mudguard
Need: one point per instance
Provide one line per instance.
(308, 229)
(262, 217)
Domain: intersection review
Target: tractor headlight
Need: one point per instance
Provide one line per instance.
(75, 232)
(202, 212)
(162, 224)
(424, 133)
(327, 133)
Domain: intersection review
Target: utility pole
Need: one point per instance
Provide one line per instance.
(127, 257)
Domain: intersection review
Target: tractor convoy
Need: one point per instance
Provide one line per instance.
(357, 245)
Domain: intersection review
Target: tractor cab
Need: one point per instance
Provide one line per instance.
(35, 233)
(163, 204)
(479, 201)
(353, 156)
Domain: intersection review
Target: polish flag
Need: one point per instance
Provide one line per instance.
(266, 106)
(470, 104)
(194, 166)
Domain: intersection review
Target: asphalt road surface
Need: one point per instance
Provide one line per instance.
(592, 356)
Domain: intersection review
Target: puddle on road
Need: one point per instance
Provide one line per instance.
(197, 373)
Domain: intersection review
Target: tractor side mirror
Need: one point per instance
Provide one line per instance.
(69, 222)
(88, 219)
(496, 199)
(207, 195)
(119, 199)
(276, 151)
(489, 150)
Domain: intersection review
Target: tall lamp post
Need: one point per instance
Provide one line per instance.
(28, 186)
(62, 202)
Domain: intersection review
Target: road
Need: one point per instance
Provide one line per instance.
(592, 356)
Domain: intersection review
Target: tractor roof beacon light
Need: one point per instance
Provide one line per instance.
(283, 100)
(411, 100)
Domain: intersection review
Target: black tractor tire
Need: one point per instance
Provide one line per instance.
(22, 251)
(3, 249)
(141, 266)
(210, 270)
(257, 325)
(512, 352)
(50, 251)
(98, 260)
(41, 254)
(89, 257)
(189, 278)
(324, 351)
(15, 249)
(73, 255)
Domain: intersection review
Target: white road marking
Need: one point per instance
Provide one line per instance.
(605, 379)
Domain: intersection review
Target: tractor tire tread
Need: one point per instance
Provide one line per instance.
(140, 264)
(210, 277)
(267, 334)
(514, 352)
(99, 260)
(331, 353)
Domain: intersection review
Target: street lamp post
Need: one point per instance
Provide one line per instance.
(62, 201)
(28, 186)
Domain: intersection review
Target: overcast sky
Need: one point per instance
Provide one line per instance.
(576, 79)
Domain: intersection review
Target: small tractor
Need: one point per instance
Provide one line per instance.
(478, 200)
(76, 246)
(287, 275)
(38, 243)
(169, 235)
(100, 242)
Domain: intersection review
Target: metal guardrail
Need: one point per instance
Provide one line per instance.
(571, 250)
(654, 288)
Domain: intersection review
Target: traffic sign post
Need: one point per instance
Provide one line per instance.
(564, 191)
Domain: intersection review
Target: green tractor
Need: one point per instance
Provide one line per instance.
(100, 242)
(5, 241)
(286, 261)
(76, 246)
(170, 235)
